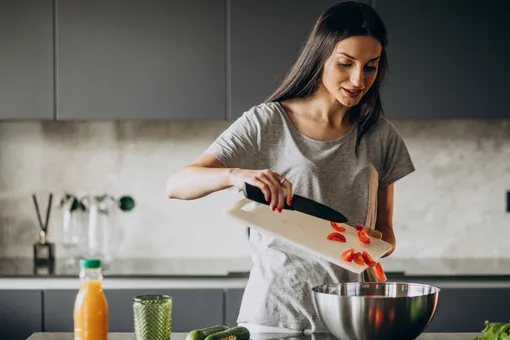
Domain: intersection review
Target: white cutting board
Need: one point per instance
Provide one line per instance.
(306, 232)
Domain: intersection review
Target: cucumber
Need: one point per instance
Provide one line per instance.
(201, 334)
(234, 333)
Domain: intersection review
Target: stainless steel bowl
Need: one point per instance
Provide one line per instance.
(376, 311)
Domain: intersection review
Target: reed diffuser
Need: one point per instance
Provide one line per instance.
(44, 251)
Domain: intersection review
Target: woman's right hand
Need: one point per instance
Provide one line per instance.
(277, 190)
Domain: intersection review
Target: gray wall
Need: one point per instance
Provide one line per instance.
(452, 206)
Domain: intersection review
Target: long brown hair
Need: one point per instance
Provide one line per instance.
(340, 21)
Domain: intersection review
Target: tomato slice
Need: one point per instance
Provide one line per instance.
(358, 258)
(363, 237)
(369, 261)
(334, 236)
(337, 226)
(347, 255)
(379, 272)
(379, 318)
(359, 227)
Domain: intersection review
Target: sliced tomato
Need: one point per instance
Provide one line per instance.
(359, 227)
(379, 318)
(347, 255)
(369, 261)
(391, 315)
(363, 237)
(334, 236)
(358, 258)
(371, 312)
(337, 226)
(379, 272)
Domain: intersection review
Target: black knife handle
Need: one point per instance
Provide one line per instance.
(255, 194)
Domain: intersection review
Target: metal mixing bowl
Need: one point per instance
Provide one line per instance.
(376, 311)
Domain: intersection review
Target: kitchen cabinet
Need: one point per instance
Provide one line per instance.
(141, 60)
(191, 308)
(20, 315)
(447, 59)
(265, 39)
(466, 309)
(233, 299)
(26, 60)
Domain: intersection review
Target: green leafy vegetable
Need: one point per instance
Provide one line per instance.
(495, 331)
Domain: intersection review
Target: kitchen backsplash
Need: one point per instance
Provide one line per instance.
(452, 206)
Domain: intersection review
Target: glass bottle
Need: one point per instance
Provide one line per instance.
(90, 307)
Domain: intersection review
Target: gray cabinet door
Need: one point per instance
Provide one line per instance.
(26, 60)
(21, 313)
(448, 59)
(265, 39)
(465, 310)
(192, 308)
(233, 300)
(140, 60)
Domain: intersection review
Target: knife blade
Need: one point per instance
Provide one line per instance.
(299, 203)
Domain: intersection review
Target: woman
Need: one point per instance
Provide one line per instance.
(321, 135)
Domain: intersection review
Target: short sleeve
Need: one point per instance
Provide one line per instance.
(237, 146)
(397, 162)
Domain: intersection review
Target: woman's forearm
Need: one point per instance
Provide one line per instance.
(192, 182)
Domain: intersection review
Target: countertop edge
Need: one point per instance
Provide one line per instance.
(49, 283)
(423, 336)
(222, 283)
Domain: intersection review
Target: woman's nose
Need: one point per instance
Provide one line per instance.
(357, 78)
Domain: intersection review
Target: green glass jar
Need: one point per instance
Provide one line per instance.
(152, 317)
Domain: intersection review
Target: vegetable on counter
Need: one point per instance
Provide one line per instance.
(219, 332)
(234, 333)
(495, 331)
(201, 334)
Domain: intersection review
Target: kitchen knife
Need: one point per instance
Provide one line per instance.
(299, 203)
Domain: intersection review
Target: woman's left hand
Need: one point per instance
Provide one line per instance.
(373, 233)
(377, 234)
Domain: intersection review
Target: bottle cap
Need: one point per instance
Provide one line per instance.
(90, 263)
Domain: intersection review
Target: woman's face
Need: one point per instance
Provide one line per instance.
(351, 69)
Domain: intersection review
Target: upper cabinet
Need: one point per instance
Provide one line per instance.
(266, 37)
(26, 60)
(215, 59)
(132, 59)
(448, 59)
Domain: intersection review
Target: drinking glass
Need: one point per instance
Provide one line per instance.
(152, 317)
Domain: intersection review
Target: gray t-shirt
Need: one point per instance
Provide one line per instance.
(278, 292)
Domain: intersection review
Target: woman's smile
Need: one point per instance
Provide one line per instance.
(352, 93)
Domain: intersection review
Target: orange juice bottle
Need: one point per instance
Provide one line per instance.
(90, 306)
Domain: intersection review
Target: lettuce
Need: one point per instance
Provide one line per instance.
(495, 331)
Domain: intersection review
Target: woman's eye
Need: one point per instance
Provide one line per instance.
(345, 65)
(371, 68)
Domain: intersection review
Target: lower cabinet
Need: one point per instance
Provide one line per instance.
(24, 312)
(466, 309)
(191, 308)
(233, 299)
(20, 313)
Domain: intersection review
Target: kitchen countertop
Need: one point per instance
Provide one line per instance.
(234, 273)
(133, 268)
(182, 336)
(240, 267)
